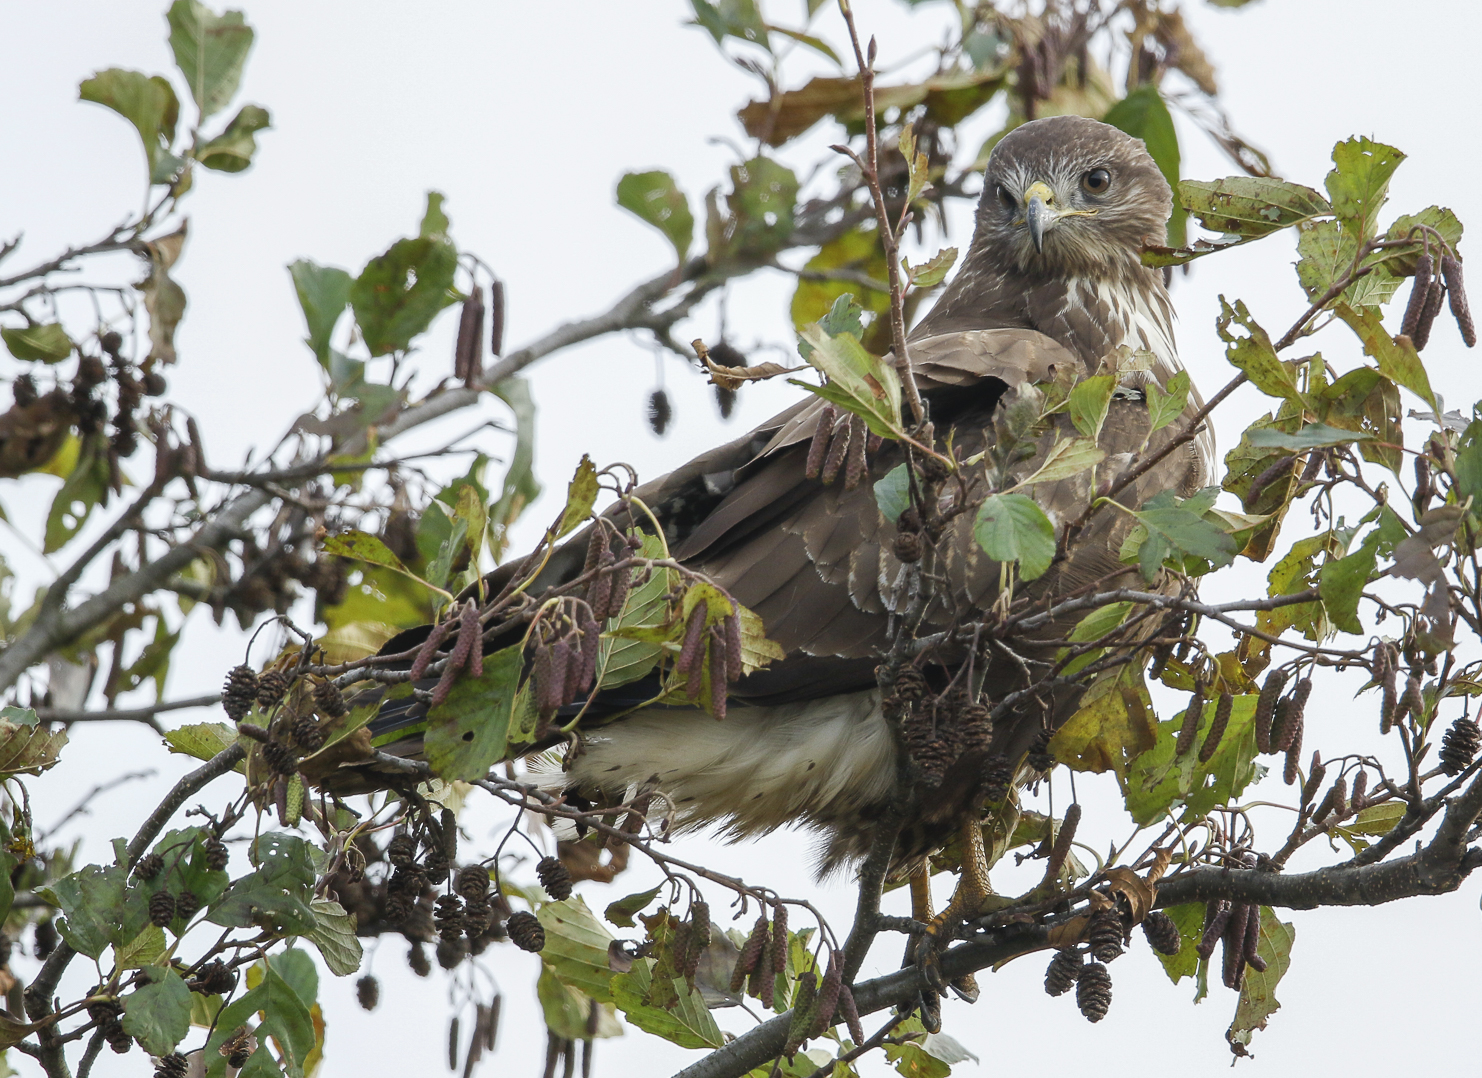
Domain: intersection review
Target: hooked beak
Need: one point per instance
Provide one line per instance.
(1039, 212)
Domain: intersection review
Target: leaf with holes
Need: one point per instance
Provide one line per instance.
(467, 733)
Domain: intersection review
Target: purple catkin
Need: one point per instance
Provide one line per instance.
(818, 447)
(619, 596)
(429, 648)
(1419, 291)
(838, 449)
(1456, 293)
(1422, 335)
(1190, 726)
(733, 645)
(718, 680)
(1216, 916)
(688, 664)
(857, 464)
(472, 631)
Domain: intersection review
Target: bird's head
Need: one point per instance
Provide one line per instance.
(1070, 196)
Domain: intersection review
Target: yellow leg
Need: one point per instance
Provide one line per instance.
(967, 901)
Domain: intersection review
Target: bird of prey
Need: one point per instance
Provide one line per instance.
(1051, 288)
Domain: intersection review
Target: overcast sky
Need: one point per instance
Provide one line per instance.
(524, 115)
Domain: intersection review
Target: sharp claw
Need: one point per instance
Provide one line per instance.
(966, 988)
(931, 1012)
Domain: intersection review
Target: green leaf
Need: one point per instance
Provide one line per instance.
(519, 487)
(911, 1057)
(210, 51)
(860, 381)
(732, 18)
(1250, 205)
(1012, 527)
(621, 912)
(688, 1023)
(203, 740)
(1341, 584)
(323, 293)
(1310, 436)
(856, 252)
(1143, 114)
(1254, 354)
(893, 493)
(1089, 402)
(567, 1010)
(1066, 458)
(581, 495)
(656, 199)
(143, 950)
(85, 487)
(1165, 407)
(28, 750)
(334, 934)
(367, 548)
(1099, 622)
(1438, 217)
(917, 168)
(1161, 779)
(1113, 725)
(933, 271)
(576, 946)
(297, 969)
(284, 1017)
(1328, 251)
(1397, 358)
(47, 343)
(1179, 528)
(1359, 185)
(761, 203)
(467, 733)
(398, 293)
(94, 913)
(435, 223)
(149, 103)
(232, 150)
(1469, 462)
(277, 894)
(157, 1013)
(1258, 994)
(622, 660)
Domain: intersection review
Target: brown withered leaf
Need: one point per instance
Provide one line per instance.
(1139, 893)
(31, 435)
(735, 377)
(164, 299)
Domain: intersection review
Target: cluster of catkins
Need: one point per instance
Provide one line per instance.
(721, 642)
(816, 1004)
(165, 906)
(465, 656)
(939, 729)
(294, 730)
(1106, 937)
(1238, 926)
(1425, 300)
(840, 441)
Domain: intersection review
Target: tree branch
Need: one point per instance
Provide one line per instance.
(38, 995)
(135, 714)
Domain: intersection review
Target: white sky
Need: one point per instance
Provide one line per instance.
(524, 115)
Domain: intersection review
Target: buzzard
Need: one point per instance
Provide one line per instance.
(1051, 288)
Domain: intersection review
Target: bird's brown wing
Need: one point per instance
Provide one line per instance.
(815, 561)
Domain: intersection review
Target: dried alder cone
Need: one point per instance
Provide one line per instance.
(1162, 933)
(1062, 972)
(525, 931)
(1459, 746)
(1093, 991)
(554, 877)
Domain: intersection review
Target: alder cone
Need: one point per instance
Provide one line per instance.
(525, 931)
(1162, 934)
(1105, 935)
(554, 877)
(1093, 991)
(368, 992)
(1062, 973)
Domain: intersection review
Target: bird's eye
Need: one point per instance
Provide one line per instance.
(1007, 198)
(1096, 181)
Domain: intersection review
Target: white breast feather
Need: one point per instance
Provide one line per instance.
(759, 769)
